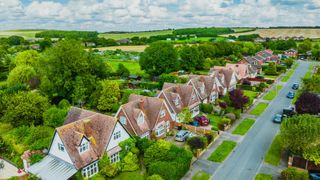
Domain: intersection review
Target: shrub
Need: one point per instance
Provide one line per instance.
(281, 69)
(156, 152)
(155, 177)
(167, 170)
(143, 144)
(206, 108)
(149, 85)
(210, 136)
(223, 122)
(54, 117)
(270, 81)
(294, 174)
(36, 158)
(231, 116)
(237, 113)
(130, 162)
(261, 87)
(197, 142)
(111, 170)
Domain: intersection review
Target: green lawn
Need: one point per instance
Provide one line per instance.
(28, 34)
(214, 119)
(222, 152)
(118, 36)
(133, 66)
(200, 175)
(244, 126)
(251, 94)
(136, 175)
(259, 109)
(273, 155)
(287, 77)
(263, 177)
(272, 94)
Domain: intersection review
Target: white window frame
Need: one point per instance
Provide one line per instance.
(61, 147)
(123, 120)
(162, 113)
(84, 146)
(177, 101)
(116, 135)
(90, 170)
(193, 97)
(140, 119)
(145, 135)
(115, 158)
(160, 130)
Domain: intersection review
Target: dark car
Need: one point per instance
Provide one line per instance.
(260, 77)
(195, 123)
(203, 121)
(295, 86)
(290, 95)
(279, 117)
(289, 111)
(314, 175)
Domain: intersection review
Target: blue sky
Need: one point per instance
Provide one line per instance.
(135, 15)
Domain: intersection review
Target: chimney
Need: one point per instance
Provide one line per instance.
(141, 104)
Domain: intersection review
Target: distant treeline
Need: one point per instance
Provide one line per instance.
(248, 37)
(203, 32)
(65, 34)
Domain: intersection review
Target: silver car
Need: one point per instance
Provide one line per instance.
(182, 135)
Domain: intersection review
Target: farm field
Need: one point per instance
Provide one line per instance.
(136, 48)
(239, 30)
(307, 33)
(118, 36)
(28, 34)
(133, 66)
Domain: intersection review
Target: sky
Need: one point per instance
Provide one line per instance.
(138, 15)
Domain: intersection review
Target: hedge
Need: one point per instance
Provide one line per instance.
(293, 174)
(206, 108)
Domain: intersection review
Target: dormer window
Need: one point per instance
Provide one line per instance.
(177, 101)
(140, 119)
(61, 147)
(202, 89)
(84, 146)
(162, 113)
(123, 120)
(193, 97)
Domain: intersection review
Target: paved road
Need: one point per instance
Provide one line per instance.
(244, 162)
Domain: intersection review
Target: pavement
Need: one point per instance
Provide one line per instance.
(247, 158)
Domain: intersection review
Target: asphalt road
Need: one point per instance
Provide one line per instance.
(244, 162)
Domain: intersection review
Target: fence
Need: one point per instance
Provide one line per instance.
(299, 162)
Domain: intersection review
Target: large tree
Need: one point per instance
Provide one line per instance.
(191, 58)
(24, 108)
(29, 57)
(308, 103)
(21, 74)
(158, 58)
(305, 46)
(238, 99)
(66, 67)
(300, 134)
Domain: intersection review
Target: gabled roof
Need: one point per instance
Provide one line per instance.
(242, 70)
(95, 127)
(149, 106)
(228, 73)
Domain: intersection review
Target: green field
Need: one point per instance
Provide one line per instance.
(200, 175)
(118, 36)
(272, 94)
(259, 109)
(273, 155)
(263, 177)
(133, 66)
(243, 127)
(28, 34)
(239, 30)
(222, 152)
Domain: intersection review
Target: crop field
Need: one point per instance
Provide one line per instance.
(135, 48)
(239, 30)
(28, 34)
(306, 33)
(118, 36)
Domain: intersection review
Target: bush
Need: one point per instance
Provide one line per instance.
(149, 85)
(156, 152)
(36, 158)
(210, 136)
(270, 81)
(281, 69)
(167, 170)
(223, 122)
(143, 143)
(54, 117)
(155, 177)
(261, 87)
(197, 142)
(294, 174)
(130, 162)
(206, 108)
(237, 113)
(231, 116)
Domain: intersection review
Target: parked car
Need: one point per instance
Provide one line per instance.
(314, 175)
(295, 86)
(279, 117)
(260, 77)
(289, 111)
(290, 95)
(195, 123)
(182, 135)
(203, 121)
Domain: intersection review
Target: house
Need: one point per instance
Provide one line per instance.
(124, 41)
(291, 53)
(145, 116)
(79, 144)
(227, 76)
(90, 44)
(206, 87)
(242, 70)
(260, 40)
(178, 97)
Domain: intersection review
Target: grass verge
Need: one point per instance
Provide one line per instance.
(273, 155)
(259, 109)
(272, 94)
(263, 177)
(222, 152)
(287, 77)
(200, 175)
(244, 126)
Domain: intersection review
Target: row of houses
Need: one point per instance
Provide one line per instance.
(265, 39)
(86, 135)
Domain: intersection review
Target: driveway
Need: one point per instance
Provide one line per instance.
(247, 157)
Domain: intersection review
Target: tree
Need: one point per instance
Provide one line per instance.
(197, 142)
(191, 58)
(130, 162)
(305, 46)
(54, 116)
(238, 99)
(122, 70)
(300, 134)
(185, 116)
(29, 57)
(109, 94)
(167, 78)
(308, 103)
(155, 177)
(156, 152)
(45, 43)
(271, 69)
(158, 58)
(21, 74)
(15, 40)
(312, 84)
(67, 66)
(24, 108)
(288, 62)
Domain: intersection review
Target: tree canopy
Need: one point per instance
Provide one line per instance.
(308, 103)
